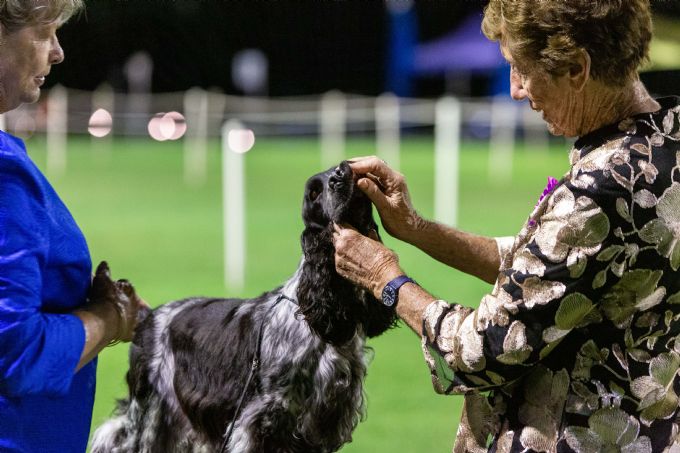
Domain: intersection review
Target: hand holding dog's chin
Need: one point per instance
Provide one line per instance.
(364, 261)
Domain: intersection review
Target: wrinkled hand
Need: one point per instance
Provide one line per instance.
(121, 295)
(363, 260)
(387, 190)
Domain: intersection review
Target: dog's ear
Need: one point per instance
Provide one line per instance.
(323, 296)
(373, 232)
(377, 318)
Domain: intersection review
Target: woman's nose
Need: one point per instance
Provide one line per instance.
(517, 91)
(56, 52)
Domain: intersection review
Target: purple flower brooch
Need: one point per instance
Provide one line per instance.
(552, 182)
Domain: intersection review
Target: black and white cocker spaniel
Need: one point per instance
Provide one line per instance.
(282, 372)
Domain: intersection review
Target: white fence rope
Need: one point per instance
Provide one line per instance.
(289, 116)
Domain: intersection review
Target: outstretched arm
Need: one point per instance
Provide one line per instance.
(469, 253)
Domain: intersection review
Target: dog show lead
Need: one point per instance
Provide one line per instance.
(577, 346)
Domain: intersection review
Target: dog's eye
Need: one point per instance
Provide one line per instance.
(313, 194)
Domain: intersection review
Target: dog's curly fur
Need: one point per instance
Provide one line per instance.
(190, 359)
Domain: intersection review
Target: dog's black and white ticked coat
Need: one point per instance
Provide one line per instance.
(190, 359)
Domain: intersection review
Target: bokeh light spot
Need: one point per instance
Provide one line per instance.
(174, 125)
(100, 123)
(241, 140)
(154, 127)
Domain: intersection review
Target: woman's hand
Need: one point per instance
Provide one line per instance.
(111, 314)
(363, 260)
(388, 191)
(120, 295)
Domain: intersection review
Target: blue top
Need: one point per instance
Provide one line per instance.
(45, 271)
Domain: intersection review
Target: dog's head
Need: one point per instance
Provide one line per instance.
(332, 306)
(332, 196)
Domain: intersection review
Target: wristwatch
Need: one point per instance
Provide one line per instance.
(390, 293)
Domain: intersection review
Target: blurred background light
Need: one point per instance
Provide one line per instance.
(100, 123)
(155, 124)
(241, 140)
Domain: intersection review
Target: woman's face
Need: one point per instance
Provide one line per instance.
(26, 56)
(550, 95)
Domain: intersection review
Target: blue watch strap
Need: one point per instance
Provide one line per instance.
(390, 293)
(397, 282)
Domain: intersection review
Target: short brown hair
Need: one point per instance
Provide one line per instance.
(615, 33)
(15, 14)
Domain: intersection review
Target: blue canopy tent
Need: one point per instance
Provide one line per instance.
(463, 53)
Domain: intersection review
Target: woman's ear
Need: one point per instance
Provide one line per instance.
(579, 70)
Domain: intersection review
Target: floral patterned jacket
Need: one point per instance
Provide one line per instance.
(577, 348)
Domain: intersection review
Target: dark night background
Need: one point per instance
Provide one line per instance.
(313, 46)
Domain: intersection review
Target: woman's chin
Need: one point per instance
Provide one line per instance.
(555, 130)
(558, 131)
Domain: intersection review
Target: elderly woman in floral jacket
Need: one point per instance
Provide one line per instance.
(577, 347)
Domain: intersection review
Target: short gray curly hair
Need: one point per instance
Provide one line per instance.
(15, 14)
(616, 33)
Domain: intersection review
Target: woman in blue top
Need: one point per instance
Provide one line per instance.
(54, 319)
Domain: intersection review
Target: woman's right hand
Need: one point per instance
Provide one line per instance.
(120, 295)
(387, 190)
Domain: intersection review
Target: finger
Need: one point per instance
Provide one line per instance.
(127, 287)
(336, 237)
(359, 159)
(373, 235)
(376, 180)
(371, 165)
(103, 270)
(373, 192)
(341, 227)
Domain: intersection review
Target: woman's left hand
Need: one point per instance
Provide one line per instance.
(121, 295)
(363, 260)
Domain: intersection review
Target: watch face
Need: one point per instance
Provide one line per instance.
(389, 295)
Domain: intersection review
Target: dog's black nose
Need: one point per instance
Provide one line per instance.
(338, 177)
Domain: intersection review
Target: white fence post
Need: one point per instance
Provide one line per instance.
(387, 129)
(103, 98)
(57, 128)
(446, 151)
(196, 137)
(333, 125)
(233, 199)
(502, 141)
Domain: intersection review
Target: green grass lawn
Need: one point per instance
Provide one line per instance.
(165, 237)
